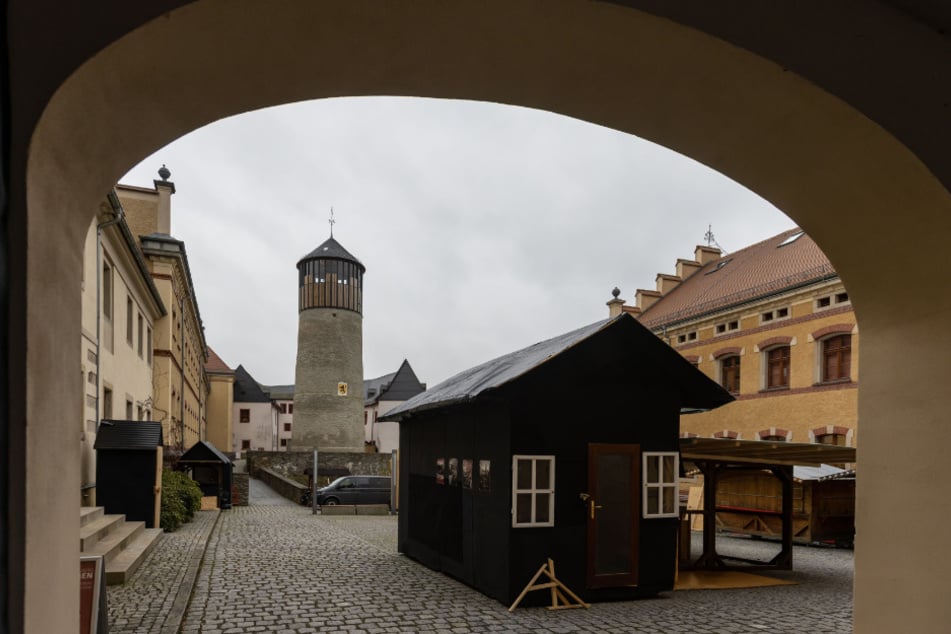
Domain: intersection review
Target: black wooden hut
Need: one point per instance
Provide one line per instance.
(211, 469)
(567, 450)
(129, 469)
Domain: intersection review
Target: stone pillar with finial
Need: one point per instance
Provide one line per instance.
(165, 189)
(615, 305)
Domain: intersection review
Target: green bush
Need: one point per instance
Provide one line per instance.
(181, 498)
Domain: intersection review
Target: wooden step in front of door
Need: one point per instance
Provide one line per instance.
(123, 545)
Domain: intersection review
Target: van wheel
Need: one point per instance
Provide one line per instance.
(331, 501)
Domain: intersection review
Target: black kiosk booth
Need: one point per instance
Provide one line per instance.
(566, 450)
(211, 469)
(129, 469)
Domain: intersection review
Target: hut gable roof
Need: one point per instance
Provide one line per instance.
(622, 337)
(127, 434)
(203, 451)
(246, 389)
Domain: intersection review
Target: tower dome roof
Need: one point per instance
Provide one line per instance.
(330, 248)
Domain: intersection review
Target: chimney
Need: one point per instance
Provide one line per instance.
(667, 283)
(165, 189)
(686, 268)
(705, 255)
(616, 305)
(646, 299)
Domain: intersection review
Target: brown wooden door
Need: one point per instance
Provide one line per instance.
(612, 512)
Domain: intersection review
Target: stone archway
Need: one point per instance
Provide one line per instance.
(872, 205)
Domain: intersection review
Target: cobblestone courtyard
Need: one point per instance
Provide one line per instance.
(274, 567)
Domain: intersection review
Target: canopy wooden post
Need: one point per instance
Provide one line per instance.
(783, 560)
(709, 558)
(558, 599)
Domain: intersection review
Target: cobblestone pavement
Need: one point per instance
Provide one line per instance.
(153, 601)
(277, 568)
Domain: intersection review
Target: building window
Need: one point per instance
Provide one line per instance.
(836, 358)
(106, 403)
(824, 302)
(283, 442)
(661, 472)
(728, 326)
(730, 373)
(148, 344)
(140, 413)
(128, 410)
(773, 438)
(283, 408)
(141, 328)
(831, 439)
(287, 427)
(245, 444)
(777, 368)
(774, 315)
(244, 415)
(533, 491)
(107, 328)
(687, 336)
(128, 320)
(290, 408)
(841, 298)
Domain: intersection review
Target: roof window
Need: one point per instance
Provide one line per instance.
(791, 239)
(719, 266)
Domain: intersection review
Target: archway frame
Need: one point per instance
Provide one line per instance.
(841, 176)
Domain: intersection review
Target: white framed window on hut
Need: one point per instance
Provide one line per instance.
(661, 471)
(533, 491)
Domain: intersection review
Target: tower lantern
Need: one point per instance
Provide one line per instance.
(328, 392)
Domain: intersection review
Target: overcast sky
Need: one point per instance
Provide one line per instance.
(484, 228)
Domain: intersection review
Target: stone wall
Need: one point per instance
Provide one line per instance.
(239, 489)
(291, 464)
(285, 487)
(329, 353)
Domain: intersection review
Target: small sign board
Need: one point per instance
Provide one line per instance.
(93, 614)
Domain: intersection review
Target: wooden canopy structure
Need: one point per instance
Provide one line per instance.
(713, 456)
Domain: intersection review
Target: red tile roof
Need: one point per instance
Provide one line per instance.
(757, 271)
(215, 363)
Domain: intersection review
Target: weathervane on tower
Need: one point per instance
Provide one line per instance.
(332, 222)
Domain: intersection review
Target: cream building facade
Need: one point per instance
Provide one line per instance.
(774, 325)
(180, 385)
(120, 307)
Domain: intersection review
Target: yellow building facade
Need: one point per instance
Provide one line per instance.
(220, 416)
(774, 325)
(180, 383)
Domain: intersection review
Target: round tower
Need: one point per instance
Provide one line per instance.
(328, 391)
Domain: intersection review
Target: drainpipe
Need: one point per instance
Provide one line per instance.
(119, 213)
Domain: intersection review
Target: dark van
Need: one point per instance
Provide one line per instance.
(355, 489)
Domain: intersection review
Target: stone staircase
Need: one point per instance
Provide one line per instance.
(124, 545)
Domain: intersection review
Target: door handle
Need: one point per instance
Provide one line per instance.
(593, 506)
